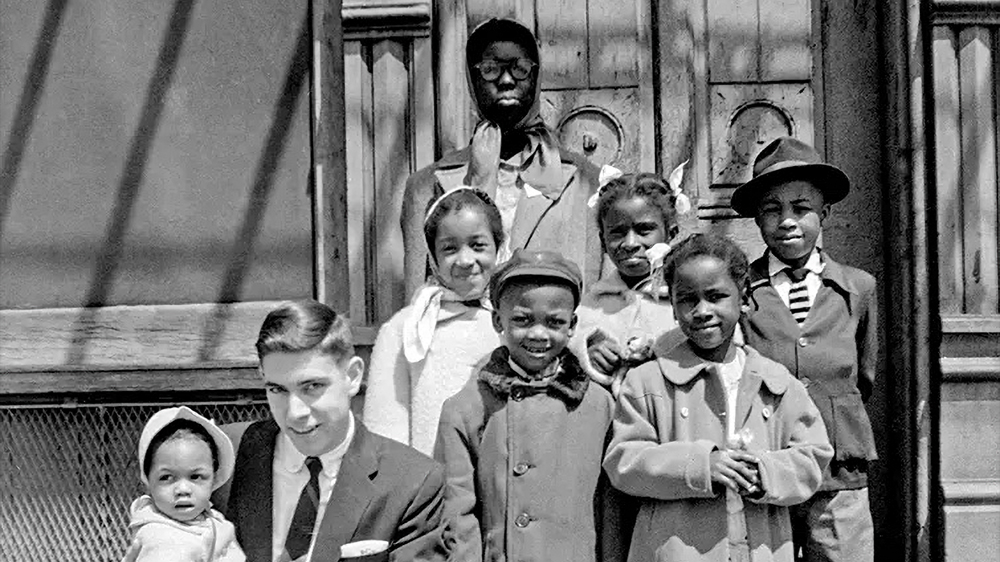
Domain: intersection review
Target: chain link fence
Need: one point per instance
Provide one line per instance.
(68, 475)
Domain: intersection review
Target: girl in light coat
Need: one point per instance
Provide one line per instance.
(715, 439)
(628, 309)
(428, 350)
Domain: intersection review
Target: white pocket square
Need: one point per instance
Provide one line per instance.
(363, 548)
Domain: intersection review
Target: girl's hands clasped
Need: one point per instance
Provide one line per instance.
(736, 470)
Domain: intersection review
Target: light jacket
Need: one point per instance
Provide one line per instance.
(523, 464)
(210, 538)
(833, 353)
(671, 416)
(622, 314)
(403, 400)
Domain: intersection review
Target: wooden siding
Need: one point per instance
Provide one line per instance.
(965, 106)
(134, 348)
(759, 81)
(197, 343)
(390, 134)
(966, 43)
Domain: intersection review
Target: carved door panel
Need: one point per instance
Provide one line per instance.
(754, 82)
(597, 86)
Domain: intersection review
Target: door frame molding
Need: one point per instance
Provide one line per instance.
(911, 285)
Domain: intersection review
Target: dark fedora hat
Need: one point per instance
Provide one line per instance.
(788, 159)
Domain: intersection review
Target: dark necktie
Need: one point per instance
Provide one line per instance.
(798, 294)
(304, 521)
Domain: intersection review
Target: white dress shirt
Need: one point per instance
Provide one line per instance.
(510, 190)
(509, 194)
(783, 283)
(290, 477)
(731, 371)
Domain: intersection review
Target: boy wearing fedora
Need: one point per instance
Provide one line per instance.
(819, 319)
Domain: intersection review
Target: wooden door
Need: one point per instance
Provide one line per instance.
(965, 74)
(735, 74)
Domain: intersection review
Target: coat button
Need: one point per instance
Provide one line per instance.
(684, 412)
(803, 342)
(766, 412)
(522, 520)
(517, 394)
(520, 468)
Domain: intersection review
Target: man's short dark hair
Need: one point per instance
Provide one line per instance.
(305, 325)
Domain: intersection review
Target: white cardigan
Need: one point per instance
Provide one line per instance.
(403, 400)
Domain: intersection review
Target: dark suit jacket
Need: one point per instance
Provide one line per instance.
(833, 353)
(385, 490)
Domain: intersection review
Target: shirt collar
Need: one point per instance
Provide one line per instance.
(516, 163)
(814, 264)
(612, 284)
(292, 460)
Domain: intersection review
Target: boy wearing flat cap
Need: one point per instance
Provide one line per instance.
(819, 319)
(522, 442)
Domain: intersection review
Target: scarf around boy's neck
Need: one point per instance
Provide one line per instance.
(568, 382)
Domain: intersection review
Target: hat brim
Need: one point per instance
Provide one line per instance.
(830, 180)
(159, 420)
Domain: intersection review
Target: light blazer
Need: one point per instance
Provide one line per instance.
(555, 220)
(384, 490)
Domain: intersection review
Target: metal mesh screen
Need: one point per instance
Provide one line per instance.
(68, 475)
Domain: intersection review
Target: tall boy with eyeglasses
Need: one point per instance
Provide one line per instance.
(540, 187)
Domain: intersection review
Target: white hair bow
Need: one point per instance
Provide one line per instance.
(682, 203)
(607, 174)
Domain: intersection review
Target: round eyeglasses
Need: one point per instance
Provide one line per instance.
(492, 69)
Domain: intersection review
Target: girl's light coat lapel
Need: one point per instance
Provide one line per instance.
(680, 365)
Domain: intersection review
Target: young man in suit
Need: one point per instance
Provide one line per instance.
(313, 478)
